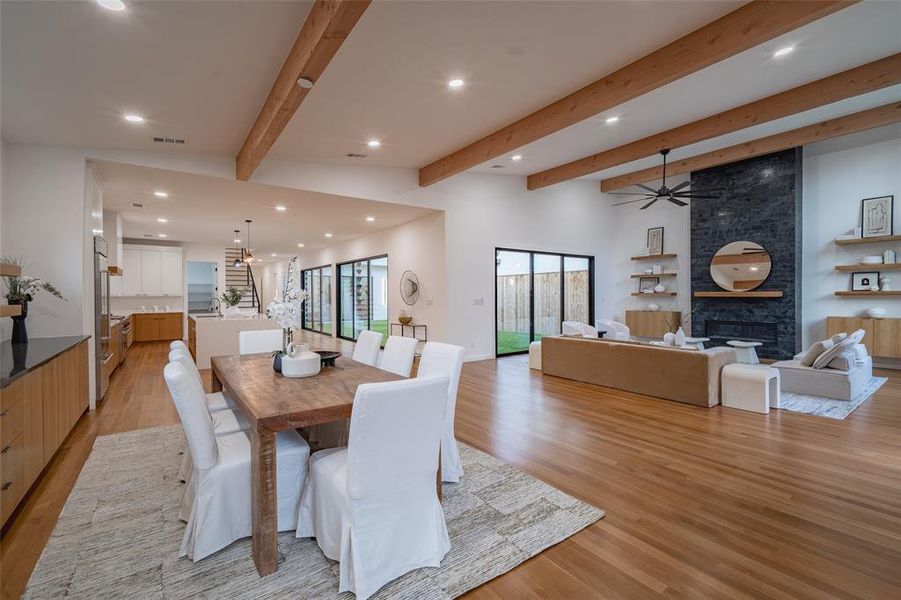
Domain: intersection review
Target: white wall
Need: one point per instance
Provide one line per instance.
(5, 324)
(836, 178)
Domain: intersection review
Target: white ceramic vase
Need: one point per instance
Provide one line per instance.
(680, 337)
(300, 361)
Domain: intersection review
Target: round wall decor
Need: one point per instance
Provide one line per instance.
(409, 287)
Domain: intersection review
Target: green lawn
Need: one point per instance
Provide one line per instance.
(377, 326)
(512, 341)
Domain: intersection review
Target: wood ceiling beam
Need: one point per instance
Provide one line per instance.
(744, 28)
(328, 24)
(868, 119)
(847, 84)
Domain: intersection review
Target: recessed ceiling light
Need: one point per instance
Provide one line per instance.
(162, 235)
(159, 194)
(300, 245)
(328, 235)
(455, 83)
(116, 5)
(784, 51)
(516, 157)
(305, 83)
(370, 219)
(373, 143)
(281, 208)
(162, 220)
(134, 118)
(273, 254)
(237, 241)
(611, 120)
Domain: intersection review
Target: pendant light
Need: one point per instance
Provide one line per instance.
(248, 255)
(237, 263)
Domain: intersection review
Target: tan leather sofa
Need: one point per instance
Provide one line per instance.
(689, 376)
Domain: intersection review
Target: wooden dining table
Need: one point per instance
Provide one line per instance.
(271, 403)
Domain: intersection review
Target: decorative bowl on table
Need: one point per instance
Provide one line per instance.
(327, 357)
(405, 320)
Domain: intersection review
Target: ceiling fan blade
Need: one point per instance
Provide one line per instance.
(648, 205)
(632, 194)
(697, 197)
(681, 185)
(677, 201)
(644, 187)
(628, 201)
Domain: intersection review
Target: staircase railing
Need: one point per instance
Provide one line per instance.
(254, 293)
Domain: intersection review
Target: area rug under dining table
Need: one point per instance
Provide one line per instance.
(118, 534)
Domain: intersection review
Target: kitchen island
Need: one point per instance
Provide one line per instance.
(213, 335)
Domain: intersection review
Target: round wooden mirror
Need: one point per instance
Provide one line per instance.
(740, 266)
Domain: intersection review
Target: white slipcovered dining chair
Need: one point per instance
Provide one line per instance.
(257, 342)
(220, 507)
(446, 360)
(175, 344)
(372, 506)
(366, 350)
(215, 400)
(398, 355)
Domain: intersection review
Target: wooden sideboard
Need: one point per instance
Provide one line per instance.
(652, 323)
(154, 327)
(883, 337)
(37, 412)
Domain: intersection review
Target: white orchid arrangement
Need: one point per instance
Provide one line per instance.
(287, 312)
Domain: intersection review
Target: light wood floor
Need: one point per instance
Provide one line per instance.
(701, 503)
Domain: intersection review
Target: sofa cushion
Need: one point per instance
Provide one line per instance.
(815, 351)
(844, 361)
(838, 337)
(846, 344)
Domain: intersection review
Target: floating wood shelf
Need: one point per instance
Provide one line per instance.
(8, 270)
(879, 293)
(870, 240)
(10, 310)
(654, 257)
(639, 275)
(751, 294)
(861, 267)
(655, 294)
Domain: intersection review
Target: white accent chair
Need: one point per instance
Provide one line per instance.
(257, 342)
(367, 348)
(372, 506)
(615, 330)
(398, 355)
(445, 360)
(220, 508)
(577, 329)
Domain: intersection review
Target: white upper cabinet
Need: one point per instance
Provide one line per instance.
(151, 271)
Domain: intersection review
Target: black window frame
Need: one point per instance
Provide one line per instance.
(532, 253)
(303, 312)
(339, 296)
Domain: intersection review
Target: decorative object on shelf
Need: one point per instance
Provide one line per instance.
(403, 318)
(287, 313)
(409, 287)
(740, 266)
(885, 284)
(299, 361)
(888, 257)
(655, 241)
(20, 290)
(871, 260)
(646, 285)
(659, 288)
(653, 307)
(865, 281)
(657, 269)
(649, 271)
(875, 312)
(876, 216)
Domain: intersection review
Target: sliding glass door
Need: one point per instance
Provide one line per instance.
(317, 310)
(363, 297)
(536, 292)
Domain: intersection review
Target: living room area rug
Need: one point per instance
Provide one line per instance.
(829, 407)
(118, 535)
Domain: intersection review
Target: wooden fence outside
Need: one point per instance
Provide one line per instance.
(513, 301)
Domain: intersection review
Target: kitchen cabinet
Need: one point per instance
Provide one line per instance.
(154, 327)
(152, 271)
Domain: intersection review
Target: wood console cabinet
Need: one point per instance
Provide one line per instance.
(154, 327)
(652, 323)
(883, 337)
(37, 412)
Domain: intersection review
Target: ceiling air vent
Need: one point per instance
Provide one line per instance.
(168, 140)
(497, 166)
(355, 155)
(148, 235)
(137, 205)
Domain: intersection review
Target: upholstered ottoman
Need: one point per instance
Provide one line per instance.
(750, 387)
(535, 355)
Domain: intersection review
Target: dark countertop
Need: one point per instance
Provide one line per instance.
(17, 360)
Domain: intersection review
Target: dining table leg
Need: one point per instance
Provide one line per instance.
(264, 500)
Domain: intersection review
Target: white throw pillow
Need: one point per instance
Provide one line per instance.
(815, 351)
(838, 337)
(843, 362)
(846, 344)
(860, 354)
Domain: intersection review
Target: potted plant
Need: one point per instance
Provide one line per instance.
(20, 291)
(232, 297)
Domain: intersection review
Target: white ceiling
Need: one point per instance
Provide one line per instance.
(201, 70)
(206, 210)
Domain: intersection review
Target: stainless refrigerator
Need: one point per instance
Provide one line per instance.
(102, 325)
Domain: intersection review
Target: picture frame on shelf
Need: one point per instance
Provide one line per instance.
(863, 281)
(646, 285)
(876, 216)
(655, 241)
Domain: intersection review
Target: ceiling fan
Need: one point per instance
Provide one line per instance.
(664, 193)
